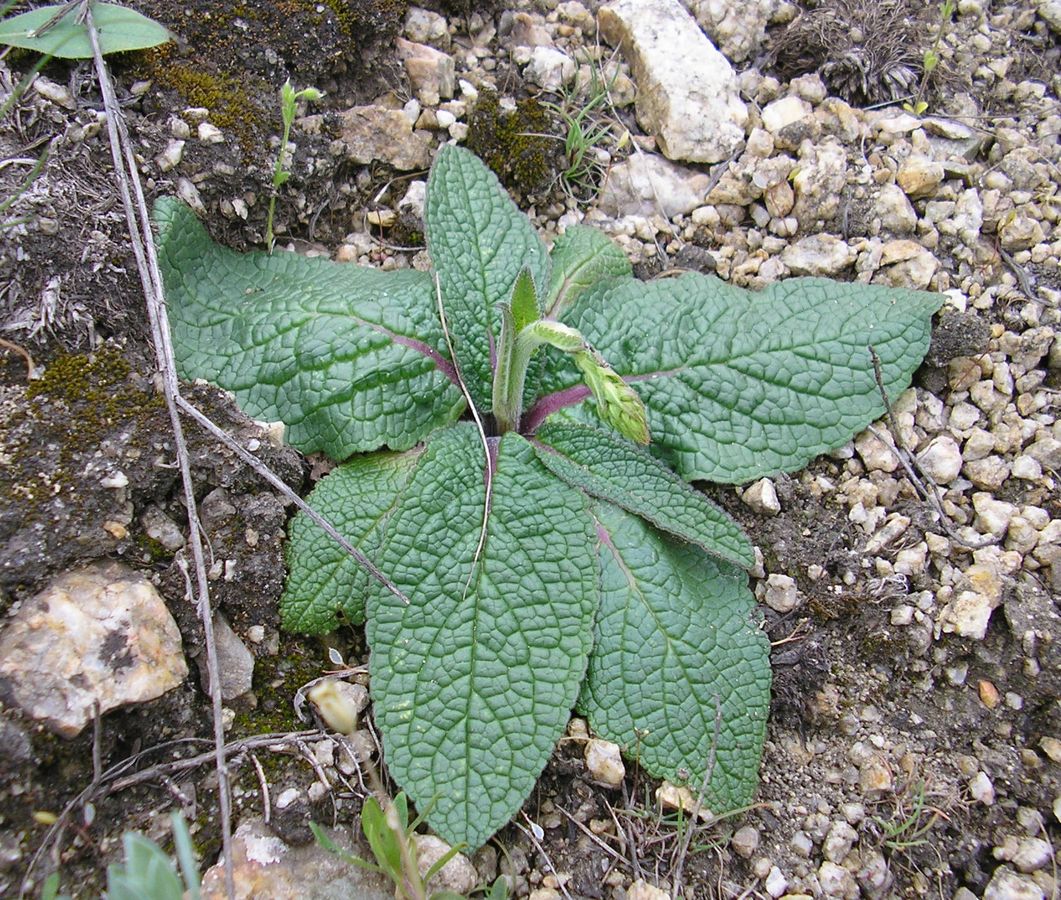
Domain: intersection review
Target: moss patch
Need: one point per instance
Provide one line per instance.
(517, 144)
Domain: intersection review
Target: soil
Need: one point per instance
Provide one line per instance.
(70, 296)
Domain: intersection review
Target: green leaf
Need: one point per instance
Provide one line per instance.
(741, 384)
(382, 839)
(350, 358)
(524, 301)
(473, 681)
(345, 855)
(147, 872)
(581, 257)
(119, 28)
(323, 580)
(182, 845)
(678, 660)
(479, 242)
(608, 467)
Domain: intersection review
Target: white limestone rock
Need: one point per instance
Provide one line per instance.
(762, 497)
(550, 68)
(941, 459)
(736, 28)
(783, 112)
(604, 763)
(647, 185)
(101, 634)
(818, 254)
(896, 213)
(688, 94)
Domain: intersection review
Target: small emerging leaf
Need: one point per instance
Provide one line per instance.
(581, 257)
(524, 301)
(119, 29)
(556, 334)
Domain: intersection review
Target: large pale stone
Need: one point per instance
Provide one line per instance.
(688, 94)
(1050, 10)
(818, 254)
(646, 185)
(604, 763)
(264, 866)
(101, 634)
(736, 28)
(370, 133)
(431, 72)
(457, 875)
(783, 112)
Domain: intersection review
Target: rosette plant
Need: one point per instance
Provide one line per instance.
(518, 429)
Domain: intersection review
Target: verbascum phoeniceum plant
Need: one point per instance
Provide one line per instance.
(518, 430)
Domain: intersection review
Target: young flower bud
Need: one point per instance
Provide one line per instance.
(618, 404)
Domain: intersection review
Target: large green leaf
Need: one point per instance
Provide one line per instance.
(680, 674)
(474, 680)
(741, 384)
(350, 359)
(119, 29)
(323, 580)
(479, 242)
(607, 466)
(581, 257)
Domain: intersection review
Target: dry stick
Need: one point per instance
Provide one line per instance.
(110, 781)
(21, 351)
(906, 459)
(258, 466)
(698, 804)
(529, 832)
(1018, 273)
(596, 840)
(267, 804)
(147, 264)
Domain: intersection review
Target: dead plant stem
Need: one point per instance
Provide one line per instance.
(128, 178)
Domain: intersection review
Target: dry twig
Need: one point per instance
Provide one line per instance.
(923, 483)
(128, 177)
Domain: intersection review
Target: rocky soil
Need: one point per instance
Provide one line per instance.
(909, 580)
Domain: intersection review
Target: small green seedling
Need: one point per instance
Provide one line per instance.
(518, 431)
(149, 874)
(289, 97)
(931, 58)
(390, 836)
(902, 834)
(587, 130)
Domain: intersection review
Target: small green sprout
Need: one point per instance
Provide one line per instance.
(390, 835)
(931, 58)
(289, 97)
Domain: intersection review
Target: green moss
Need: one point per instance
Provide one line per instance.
(152, 549)
(229, 99)
(98, 398)
(276, 681)
(517, 144)
(75, 378)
